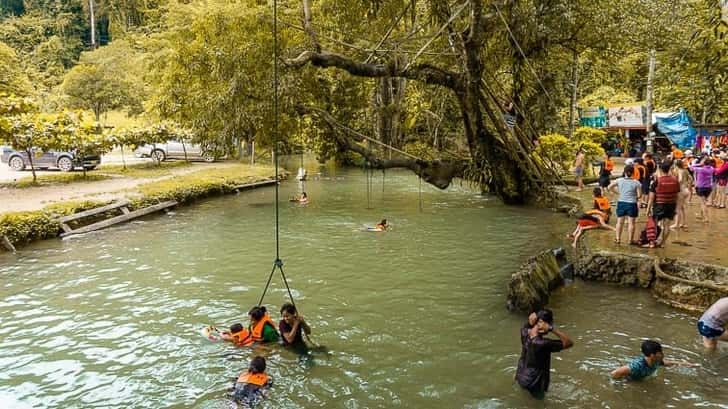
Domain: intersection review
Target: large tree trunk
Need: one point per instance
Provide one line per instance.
(500, 159)
(389, 95)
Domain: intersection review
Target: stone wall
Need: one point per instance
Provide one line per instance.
(530, 286)
(686, 285)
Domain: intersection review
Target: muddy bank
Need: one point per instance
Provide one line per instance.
(682, 284)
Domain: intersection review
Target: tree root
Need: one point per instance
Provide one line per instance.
(659, 273)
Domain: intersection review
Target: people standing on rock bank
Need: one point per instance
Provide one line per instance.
(630, 191)
(579, 169)
(534, 365)
(662, 204)
(713, 324)
(605, 171)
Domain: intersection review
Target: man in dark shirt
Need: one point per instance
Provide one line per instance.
(534, 366)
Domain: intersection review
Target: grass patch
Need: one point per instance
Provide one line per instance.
(202, 183)
(144, 169)
(55, 179)
(25, 227)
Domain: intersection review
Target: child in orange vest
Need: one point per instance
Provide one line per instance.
(253, 384)
(593, 218)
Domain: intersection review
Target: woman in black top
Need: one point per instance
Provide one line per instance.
(292, 326)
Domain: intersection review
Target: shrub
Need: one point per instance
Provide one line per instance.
(587, 134)
(559, 150)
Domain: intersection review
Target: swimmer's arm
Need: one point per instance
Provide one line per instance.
(667, 362)
(226, 336)
(305, 327)
(621, 372)
(291, 335)
(565, 340)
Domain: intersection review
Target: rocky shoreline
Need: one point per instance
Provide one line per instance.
(687, 285)
(682, 284)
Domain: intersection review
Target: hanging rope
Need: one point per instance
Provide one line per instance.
(420, 199)
(367, 173)
(277, 263)
(520, 50)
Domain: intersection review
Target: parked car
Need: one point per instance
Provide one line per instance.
(174, 150)
(65, 161)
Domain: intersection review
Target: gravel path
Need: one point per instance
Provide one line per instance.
(36, 198)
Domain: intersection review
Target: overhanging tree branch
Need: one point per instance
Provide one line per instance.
(422, 72)
(439, 173)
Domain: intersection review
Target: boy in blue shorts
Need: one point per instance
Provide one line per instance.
(644, 366)
(714, 323)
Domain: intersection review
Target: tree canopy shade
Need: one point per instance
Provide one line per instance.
(432, 78)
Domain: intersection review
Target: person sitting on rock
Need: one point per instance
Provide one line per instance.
(593, 218)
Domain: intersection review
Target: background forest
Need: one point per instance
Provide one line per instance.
(432, 78)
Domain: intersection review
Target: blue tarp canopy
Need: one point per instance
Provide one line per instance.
(677, 127)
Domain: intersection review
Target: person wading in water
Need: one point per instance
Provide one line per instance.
(534, 366)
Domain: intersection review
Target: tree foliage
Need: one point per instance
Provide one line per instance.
(107, 78)
(429, 76)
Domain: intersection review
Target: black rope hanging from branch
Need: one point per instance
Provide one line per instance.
(277, 263)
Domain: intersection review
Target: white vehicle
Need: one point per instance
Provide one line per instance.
(174, 150)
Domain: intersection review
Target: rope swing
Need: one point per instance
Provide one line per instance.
(277, 263)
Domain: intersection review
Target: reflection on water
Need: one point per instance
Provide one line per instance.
(412, 318)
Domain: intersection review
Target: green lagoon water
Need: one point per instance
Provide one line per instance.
(412, 318)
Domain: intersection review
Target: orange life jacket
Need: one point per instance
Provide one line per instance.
(640, 172)
(608, 165)
(677, 154)
(602, 203)
(259, 379)
(718, 162)
(247, 337)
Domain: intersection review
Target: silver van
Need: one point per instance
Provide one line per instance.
(174, 150)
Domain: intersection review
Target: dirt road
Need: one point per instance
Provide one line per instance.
(35, 198)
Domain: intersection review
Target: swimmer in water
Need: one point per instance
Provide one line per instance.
(382, 225)
(253, 384)
(644, 366)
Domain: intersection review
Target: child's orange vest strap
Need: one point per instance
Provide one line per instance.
(259, 379)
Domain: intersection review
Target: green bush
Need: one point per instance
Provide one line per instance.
(561, 151)
(586, 134)
(25, 227)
